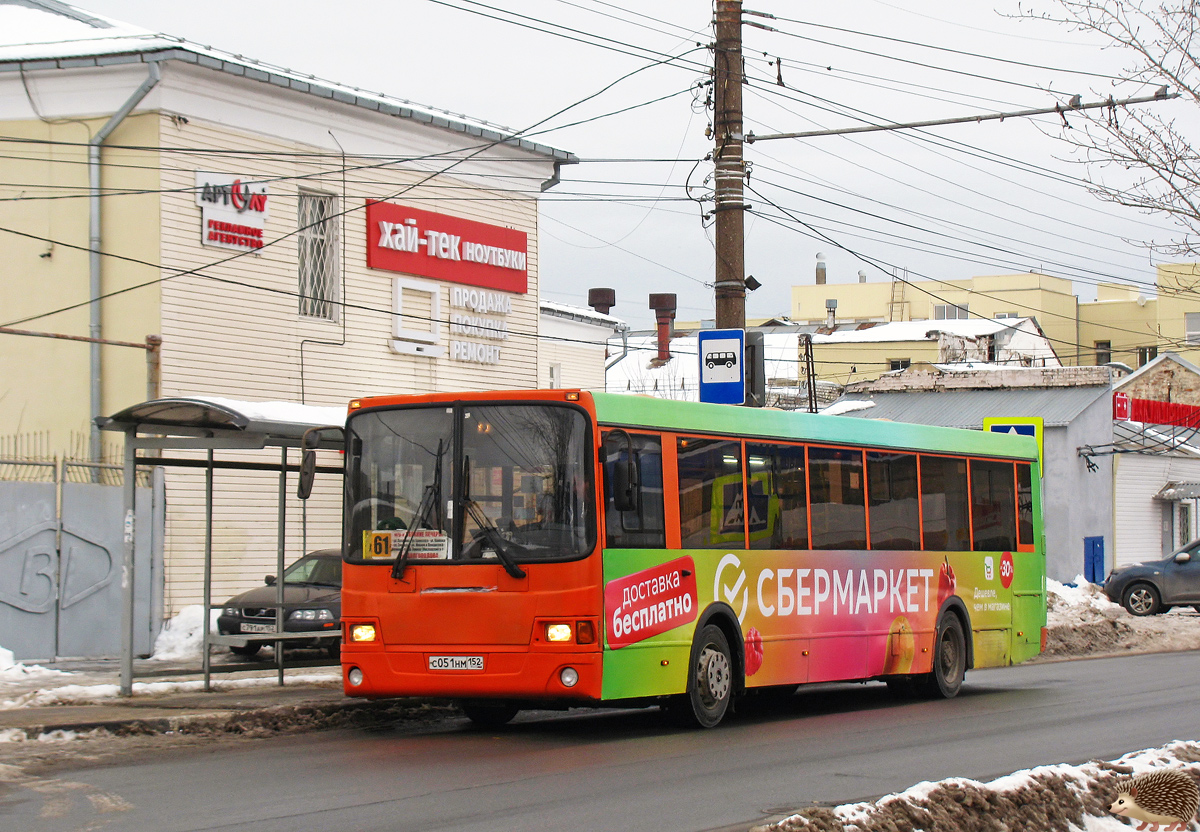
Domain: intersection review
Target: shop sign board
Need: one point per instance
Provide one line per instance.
(452, 249)
(233, 211)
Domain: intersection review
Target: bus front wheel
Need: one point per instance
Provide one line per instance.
(710, 680)
(949, 660)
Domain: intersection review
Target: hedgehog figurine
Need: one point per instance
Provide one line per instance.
(1168, 797)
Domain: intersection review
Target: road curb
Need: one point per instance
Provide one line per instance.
(276, 719)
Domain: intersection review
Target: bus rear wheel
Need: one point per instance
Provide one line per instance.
(489, 715)
(949, 660)
(710, 680)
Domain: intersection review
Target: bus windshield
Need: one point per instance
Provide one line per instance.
(455, 482)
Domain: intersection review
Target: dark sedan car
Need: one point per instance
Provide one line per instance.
(1151, 588)
(312, 603)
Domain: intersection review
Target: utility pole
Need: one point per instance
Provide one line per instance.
(728, 77)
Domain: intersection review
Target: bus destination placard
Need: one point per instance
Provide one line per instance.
(650, 602)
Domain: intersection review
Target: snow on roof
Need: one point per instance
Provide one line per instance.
(679, 378)
(583, 313)
(47, 34)
(919, 330)
(281, 412)
(846, 406)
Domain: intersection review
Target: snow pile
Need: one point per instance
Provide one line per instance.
(1084, 603)
(1058, 797)
(182, 637)
(84, 694)
(13, 671)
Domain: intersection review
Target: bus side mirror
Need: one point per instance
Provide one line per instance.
(308, 461)
(308, 473)
(625, 485)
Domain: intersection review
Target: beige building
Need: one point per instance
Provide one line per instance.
(288, 238)
(1121, 325)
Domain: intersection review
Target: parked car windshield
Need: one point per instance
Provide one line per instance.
(319, 571)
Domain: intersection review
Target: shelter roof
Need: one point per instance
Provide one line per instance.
(278, 420)
(47, 34)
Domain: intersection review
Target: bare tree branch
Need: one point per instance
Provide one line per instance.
(1135, 157)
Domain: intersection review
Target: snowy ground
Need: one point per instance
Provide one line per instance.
(1081, 621)
(26, 686)
(1058, 797)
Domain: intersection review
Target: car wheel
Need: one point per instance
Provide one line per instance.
(710, 681)
(490, 715)
(250, 649)
(1142, 599)
(949, 661)
(1196, 607)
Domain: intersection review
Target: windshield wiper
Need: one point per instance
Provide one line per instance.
(490, 533)
(431, 503)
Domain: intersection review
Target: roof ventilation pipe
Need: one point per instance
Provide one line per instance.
(820, 269)
(664, 312)
(602, 300)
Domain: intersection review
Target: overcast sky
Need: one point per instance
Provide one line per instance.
(946, 203)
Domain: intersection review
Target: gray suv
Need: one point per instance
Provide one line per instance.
(1151, 588)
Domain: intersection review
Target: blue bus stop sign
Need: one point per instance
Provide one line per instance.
(723, 366)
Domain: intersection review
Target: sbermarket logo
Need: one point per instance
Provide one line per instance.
(730, 593)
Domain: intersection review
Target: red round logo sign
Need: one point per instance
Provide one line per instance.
(1006, 570)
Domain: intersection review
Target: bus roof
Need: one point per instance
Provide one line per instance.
(647, 411)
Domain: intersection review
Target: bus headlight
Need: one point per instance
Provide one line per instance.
(558, 632)
(362, 632)
(354, 677)
(569, 677)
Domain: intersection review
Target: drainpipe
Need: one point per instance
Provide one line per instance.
(94, 329)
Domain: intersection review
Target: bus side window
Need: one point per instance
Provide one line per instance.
(944, 504)
(711, 514)
(892, 490)
(993, 506)
(1025, 504)
(644, 528)
(839, 515)
(778, 497)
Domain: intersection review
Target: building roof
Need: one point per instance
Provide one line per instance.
(1058, 406)
(1150, 366)
(922, 330)
(47, 34)
(581, 314)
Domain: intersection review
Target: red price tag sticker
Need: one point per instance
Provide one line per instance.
(1006, 570)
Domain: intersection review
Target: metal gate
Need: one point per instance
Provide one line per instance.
(61, 545)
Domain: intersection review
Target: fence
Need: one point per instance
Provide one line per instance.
(61, 543)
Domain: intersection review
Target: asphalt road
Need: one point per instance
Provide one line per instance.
(627, 770)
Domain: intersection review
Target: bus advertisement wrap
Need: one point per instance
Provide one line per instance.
(650, 602)
(814, 616)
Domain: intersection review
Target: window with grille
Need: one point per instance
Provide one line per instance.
(1103, 352)
(899, 363)
(1146, 355)
(949, 312)
(317, 255)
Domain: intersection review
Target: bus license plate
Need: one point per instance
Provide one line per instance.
(258, 628)
(456, 662)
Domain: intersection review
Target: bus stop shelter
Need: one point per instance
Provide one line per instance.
(154, 428)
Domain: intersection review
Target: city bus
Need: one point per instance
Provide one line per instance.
(560, 548)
